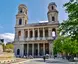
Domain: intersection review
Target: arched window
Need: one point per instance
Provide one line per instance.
(53, 32)
(31, 34)
(53, 29)
(52, 7)
(18, 51)
(25, 22)
(46, 33)
(20, 10)
(19, 33)
(20, 21)
(36, 33)
(53, 18)
(26, 34)
(41, 33)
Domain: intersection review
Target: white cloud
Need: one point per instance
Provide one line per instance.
(43, 21)
(8, 37)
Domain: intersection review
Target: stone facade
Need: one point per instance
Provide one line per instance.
(35, 39)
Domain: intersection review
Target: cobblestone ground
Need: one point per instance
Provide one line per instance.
(49, 61)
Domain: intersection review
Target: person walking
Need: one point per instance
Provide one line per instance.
(44, 58)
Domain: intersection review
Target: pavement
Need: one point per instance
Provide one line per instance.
(49, 61)
(41, 61)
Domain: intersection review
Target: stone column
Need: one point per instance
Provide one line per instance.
(22, 50)
(22, 34)
(38, 49)
(56, 32)
(49, 33)
(43, 33)
(44, 48)
(33, 34)
(27, 49)
(28, 34)
(51, 49)
(16, 35)
(33, 50)
(38, 34)
(23, 21)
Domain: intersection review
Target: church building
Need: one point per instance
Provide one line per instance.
(35, 39)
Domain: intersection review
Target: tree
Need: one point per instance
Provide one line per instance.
(58, 45)
(68, 41)
(70, 26)
(66, 46)
(9, 46)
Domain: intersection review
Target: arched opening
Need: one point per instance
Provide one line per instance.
(46, 48)
(25, 49)
(53, 18)
(26, 34)
(25, 22)
(52, 7)
(36, 33)
(53, 29)
(31, 33)
(41, 33)
(20, 10)
(20, 21)
(46, 32)
(18, 51)
(35, 49)
(53, 32)
(41, 49)
(19, 33)
(30, 49)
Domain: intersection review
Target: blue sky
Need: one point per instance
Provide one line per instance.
(37, 11)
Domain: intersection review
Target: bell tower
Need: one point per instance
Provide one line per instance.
(22, 17)
(52, 12)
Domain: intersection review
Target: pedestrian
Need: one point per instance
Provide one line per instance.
(44, 58)
(55, 55)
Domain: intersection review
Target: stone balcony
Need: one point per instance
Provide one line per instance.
(33, 39)
(39, 38)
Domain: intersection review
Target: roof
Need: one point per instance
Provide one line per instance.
(52, 3)
(22, 5)
(41, 24)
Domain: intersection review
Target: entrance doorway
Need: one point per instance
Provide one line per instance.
(35, 49)
(46, 48)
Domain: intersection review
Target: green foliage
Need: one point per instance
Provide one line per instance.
(9, 46)
(58, 45)
(65, 45)
(68, 41)
(70, 26)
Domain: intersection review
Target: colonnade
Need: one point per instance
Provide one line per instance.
(37, 33)
(38, 49)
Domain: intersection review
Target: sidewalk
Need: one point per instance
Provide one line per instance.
(50, 61)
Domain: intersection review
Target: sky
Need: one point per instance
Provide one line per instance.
(37, 11)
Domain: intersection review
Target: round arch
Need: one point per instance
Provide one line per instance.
(18, 51)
